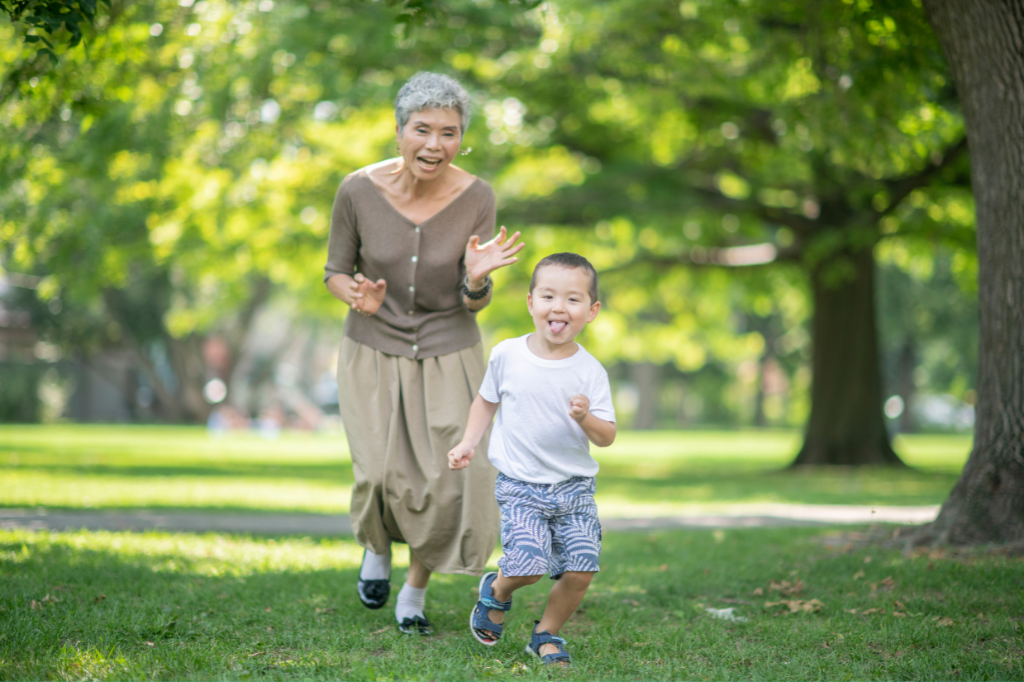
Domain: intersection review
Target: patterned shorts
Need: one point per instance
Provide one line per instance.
(548, 528)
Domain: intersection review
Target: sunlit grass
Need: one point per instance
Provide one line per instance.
(101, 605)
(643, 473)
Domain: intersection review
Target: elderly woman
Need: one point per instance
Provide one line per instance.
(410, 252)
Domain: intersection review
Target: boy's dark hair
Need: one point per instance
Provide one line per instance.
(568, 260)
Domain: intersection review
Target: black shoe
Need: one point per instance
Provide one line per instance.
(373, 593)
(415, 626)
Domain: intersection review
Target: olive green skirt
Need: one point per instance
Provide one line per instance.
(401, 418)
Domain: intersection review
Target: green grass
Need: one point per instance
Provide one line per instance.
(642, 474)
(98, 605)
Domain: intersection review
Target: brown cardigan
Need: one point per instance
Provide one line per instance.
(423, 314)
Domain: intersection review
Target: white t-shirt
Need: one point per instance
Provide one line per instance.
(534, 439)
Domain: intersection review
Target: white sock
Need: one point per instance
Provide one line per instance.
(376, 566)
(411, 601)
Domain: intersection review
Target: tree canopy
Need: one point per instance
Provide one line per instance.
(718, 162)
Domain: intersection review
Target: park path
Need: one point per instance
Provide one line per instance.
(740, 516)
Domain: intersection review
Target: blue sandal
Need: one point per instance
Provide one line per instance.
(480, 626)
(538, 639)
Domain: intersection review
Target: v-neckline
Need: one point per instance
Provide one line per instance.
(406, 218)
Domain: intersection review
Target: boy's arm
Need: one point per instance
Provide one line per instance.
(481, 412)
(600, 432)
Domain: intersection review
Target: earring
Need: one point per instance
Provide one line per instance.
(466, 151)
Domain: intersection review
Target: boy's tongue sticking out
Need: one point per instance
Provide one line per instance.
(557, 326)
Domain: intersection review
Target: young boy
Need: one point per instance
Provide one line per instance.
(555, 400)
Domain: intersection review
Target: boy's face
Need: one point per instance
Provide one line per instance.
(559, 303)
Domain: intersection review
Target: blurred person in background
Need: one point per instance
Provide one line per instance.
(411, 253)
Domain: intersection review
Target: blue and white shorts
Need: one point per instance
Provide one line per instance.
(548, 527)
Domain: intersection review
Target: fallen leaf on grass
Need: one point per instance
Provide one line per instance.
(853, 611)
(887, 583)
(898, 604)
(377, 632)
(327, 609)
(797, 605)
(758, 592)
(867, 560)
(50, 599)
(149, 644)
(786, 587)
(100, 598)
(943, 622)
(870, 611)
(663, 567)
(858, 575)
(899, 614)
(268, 609)
(258, 653)
(631, 602)
(35, 606)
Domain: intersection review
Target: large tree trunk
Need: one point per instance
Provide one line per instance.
(984, 42)
(645, 376)
(846, 425)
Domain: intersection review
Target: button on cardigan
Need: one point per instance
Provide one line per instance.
(423, 314)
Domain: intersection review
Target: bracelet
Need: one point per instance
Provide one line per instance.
(476, 294)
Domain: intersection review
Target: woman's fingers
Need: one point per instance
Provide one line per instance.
(474, 242)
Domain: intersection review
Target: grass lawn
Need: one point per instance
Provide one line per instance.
(98, 605)
(642, 474)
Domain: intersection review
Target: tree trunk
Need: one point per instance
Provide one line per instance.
(905, 387)
(846, 425)
(984, 42)
(645, 376)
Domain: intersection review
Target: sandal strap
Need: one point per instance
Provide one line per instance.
(492, 603)
(482, 622)
(539, 639)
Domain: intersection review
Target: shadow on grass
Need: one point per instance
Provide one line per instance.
(738, 484)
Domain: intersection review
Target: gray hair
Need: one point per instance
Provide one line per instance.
(428, 90)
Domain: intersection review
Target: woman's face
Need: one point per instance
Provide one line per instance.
(429, 141)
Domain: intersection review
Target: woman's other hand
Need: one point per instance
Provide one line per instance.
(366, 295)
(483, 259)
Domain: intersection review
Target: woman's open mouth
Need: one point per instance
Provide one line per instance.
(429, 163)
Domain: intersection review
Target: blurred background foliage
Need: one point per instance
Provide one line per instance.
(167, 187)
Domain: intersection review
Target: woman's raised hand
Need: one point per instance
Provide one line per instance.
(366, 294)
(483, 259)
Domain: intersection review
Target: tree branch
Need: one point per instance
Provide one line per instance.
(900, 188)
(751, 255)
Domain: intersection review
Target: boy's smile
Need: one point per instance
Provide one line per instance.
(560, 306)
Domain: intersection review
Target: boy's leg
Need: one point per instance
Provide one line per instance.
(527, 542)
(563, 601)
(575, 554)
(503, 588)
